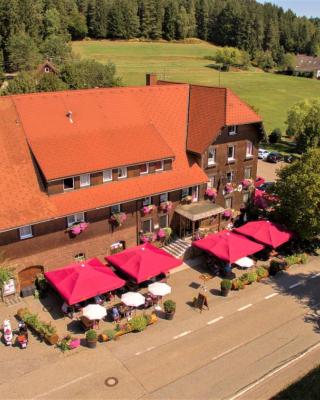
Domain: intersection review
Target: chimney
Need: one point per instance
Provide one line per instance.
(151, 79)
(69, 116)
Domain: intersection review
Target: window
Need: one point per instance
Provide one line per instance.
(46, 69)
(146, 201)
(249, 150)
(68, 184)
(163, 221)
(115, 208)
(163, 197)
(144, 169)
(84, 180)
(147, 226)
(159, 166)
(212, 182)
(184, 192)
(247, 173)
(107, 175)
(73, 219)
(195, 193)
(231, 153)
(228, 202)
(122, 172)
(211, 155)
(25, 232)
(245, 198)
(232, 130)
(230, 176)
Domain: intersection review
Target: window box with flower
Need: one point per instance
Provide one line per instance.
(117, 219)
(164, 234)
(77, 228)
(166, 206)
(147, 209)
(227, 214)
(148, 237)
(211, 193)
(228, 189)
(247, 184)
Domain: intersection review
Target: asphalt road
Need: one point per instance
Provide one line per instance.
(246, 347)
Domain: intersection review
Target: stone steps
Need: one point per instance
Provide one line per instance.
(177, 248)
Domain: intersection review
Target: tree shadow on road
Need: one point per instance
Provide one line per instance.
(304, 288)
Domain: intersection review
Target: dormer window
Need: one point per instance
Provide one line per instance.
(211, 155)
(25, 232)
(75, 218)
(107, 175)
(232, 130)
(144, 169)
(68, 184)
(84, 180)
(122, 172)
(159, 166)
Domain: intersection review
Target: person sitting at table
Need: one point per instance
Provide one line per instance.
(115, 314)
(67, 310)
(98, 300)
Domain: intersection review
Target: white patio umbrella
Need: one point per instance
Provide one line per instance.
(159, 289)
(94, 311)
(245, 262)
(133, 299)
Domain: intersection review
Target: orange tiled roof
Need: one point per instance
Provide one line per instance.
(109, 128)
(24, 201)
(212, 108)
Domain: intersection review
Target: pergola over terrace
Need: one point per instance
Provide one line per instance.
(192, 214)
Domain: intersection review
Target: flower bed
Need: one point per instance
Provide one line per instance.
(43, 329)
(118, 219)
(137, 324)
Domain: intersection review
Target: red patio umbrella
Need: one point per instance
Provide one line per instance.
(266, 232)
(228, 246)
(80, 281)
(143, 262)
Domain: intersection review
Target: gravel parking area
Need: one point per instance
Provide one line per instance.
(268, 170)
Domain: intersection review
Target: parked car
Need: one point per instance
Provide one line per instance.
(263, 154)
(266, 186)
(259, 181)
(290, 158)
(274, 157)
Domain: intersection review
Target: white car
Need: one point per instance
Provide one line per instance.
(263, 154)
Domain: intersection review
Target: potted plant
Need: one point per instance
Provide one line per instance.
(138, 323)
(237, 284)
(169, 308)
(166, 206)
(261, 273)
(211, 193)
(244, 278)
(228, 189)
(225, 286)
(147, 209)
(78, 228)
(91, 337)
(252, 277)
(247, 184)
(227, 214)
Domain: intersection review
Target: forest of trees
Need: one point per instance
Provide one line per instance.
(33, 29)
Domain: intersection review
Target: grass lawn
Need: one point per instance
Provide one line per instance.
(307, 388)
(271, 94)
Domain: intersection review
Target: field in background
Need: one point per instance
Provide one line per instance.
(272, 94)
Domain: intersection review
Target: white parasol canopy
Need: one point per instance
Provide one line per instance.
(133, 299)
(94, 311)
(159, 289)
(245, 262)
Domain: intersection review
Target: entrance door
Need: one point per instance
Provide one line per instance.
(195, 193)
(28, 275)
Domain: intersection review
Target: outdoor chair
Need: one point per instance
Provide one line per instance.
(86, 323)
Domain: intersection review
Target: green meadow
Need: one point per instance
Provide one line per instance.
(271, 94)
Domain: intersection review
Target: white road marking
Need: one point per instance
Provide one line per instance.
(144, 351)
(227, 352)
(315, 276)
(245, 390)
(181, 335)
(215, 320)
(271, 295)
(244, 307)
(295, 285)
(62, 386)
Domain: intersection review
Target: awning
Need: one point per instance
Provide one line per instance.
(228, 246)
(143, 262)
(266, 232)
(81, 281)
(199, 210)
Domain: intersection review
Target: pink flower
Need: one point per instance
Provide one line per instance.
(76, 230)
(227, 213)
(211, 192)
(161, 234)
(83, 226)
